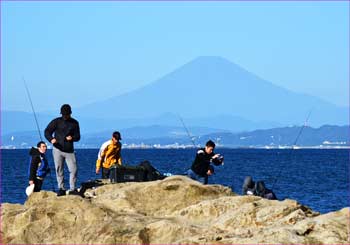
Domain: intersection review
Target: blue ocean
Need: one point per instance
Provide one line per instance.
(316, 178)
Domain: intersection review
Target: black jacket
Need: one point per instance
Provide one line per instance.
(38, 164)
(202, 162)
(61, 129)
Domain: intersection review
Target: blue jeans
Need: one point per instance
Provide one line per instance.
(194, 176)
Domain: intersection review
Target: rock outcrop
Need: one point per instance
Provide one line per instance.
(176, 210)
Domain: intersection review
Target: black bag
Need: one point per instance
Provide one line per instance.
(88, 185)
(119, 174)
(150, 172)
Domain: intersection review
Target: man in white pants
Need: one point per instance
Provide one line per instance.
(62, 132)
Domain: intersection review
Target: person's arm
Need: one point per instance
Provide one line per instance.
(101, 156)
(33, 168)
(120, 155)
(217, 159)
(98, 165)
(50, 129)
(76, 133)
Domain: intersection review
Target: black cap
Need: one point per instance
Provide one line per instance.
(116, 135)
(66, 109)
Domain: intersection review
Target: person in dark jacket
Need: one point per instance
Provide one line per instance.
(248, 186)
(201, 168)
(62, 132)
(257, 188)
(39, 167)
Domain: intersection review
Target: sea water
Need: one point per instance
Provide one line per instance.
(318, 178)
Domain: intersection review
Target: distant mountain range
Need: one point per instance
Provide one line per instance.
(13, 122)
(209, 87)
(160, 136)
(325, 136)
(208, 92)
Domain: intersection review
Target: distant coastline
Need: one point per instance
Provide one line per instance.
(160, 137)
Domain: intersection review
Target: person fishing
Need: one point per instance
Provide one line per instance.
(62, 132)
(38, 166)
(201, 168)
(109, 155)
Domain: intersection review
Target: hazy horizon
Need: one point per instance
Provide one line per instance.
(84, 52)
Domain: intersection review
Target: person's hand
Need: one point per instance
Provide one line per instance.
(53, 141)
(209, 172)
(215, 156)
(31, 182)
(69, 138)
(217, 159)
(97, 170)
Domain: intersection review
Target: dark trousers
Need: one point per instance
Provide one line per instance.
(38, 183)
(105, 173)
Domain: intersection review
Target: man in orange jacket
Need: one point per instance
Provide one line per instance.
(109, 155)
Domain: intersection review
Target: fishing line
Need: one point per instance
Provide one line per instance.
(37, 124)
(31, 103)
(302, 128)
(295, 142)
(187, 131)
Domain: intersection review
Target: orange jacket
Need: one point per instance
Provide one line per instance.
(109, 155)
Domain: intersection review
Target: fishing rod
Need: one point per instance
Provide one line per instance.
(37, 124)
(295, 142)
(302, 128)
(187, 131)
(31, 103)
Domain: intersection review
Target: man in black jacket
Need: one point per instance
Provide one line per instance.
(62, 132)
(201, 168)
(39, 167)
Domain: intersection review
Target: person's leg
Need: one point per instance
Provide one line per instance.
(72, 167)
(195, 176)
(205, 180)
(37, 185)
(58, 159)
(191, 174)
(105, 173)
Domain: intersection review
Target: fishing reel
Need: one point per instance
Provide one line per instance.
(218, 159)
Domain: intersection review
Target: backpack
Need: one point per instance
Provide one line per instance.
(88, 185)
(150, 172)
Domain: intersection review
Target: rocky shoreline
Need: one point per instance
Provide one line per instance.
(175, 210)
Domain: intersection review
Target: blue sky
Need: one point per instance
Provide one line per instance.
(81, 52)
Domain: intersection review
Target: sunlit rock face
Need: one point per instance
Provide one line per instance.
(175, 210)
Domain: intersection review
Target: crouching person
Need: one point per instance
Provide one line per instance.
(109, 155)
(39, 167)
(201, 168)
(262, 191)
(248, 186)
(257, 189)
